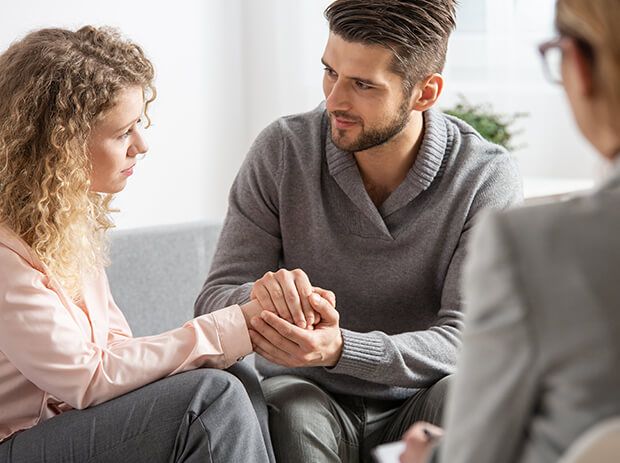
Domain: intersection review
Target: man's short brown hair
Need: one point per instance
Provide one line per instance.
(416, 31)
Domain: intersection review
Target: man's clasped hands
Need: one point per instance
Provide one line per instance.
(293, 323)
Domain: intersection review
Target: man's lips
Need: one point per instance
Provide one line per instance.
(342, 123)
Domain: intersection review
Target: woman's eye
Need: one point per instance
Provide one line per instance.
(138, 123)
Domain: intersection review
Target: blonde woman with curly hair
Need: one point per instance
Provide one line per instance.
(74, 384)
(541, 347)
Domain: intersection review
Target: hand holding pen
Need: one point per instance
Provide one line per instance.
(419, 442)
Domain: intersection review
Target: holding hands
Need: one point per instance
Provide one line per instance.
(286, 293)
(299, 326)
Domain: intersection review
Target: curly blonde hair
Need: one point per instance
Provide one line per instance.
(55, 85)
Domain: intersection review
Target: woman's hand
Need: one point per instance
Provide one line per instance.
(419, 441)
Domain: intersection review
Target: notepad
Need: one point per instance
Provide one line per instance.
(388, 453)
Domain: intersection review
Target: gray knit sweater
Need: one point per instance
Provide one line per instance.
(299, 202)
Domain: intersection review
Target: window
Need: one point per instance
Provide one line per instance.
(493, 59)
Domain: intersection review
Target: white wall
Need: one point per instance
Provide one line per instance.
(198, 115)
(493, 58)
(282, 47)
(227, 68)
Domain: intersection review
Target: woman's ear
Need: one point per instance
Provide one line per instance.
(577, 69)
(426, 93)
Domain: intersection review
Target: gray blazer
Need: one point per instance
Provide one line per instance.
(540, 362)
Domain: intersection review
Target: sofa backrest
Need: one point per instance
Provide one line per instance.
(157, 272)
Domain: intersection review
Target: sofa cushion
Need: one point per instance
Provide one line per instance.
(157, 272)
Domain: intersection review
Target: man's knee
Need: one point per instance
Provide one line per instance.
(438, 392)
(303, 420)
(431, 403)
(295, 403)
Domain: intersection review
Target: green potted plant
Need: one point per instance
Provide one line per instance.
(497, 128)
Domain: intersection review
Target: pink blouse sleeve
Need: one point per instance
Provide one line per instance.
(47, 342)
(118, 328)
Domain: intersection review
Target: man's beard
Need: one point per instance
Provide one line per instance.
(373, 137)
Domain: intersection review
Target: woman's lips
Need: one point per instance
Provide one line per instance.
(128, 171)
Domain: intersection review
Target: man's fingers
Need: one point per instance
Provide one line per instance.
(304, 289)
(260, 342)
(268, 292)
(325, 294)
(288, 331)
(273, 337)
(290, 294)
(324, 308)
(286, 293)
(276, 293)
(263, 347)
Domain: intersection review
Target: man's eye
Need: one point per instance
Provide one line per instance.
(330, 72)
(362, 85)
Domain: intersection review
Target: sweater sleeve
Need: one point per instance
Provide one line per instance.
(48, 341)
(419, 359)
(250, 243)
(411, 359)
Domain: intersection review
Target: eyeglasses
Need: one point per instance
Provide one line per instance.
(551, 54)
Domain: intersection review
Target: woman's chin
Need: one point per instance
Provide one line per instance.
(109, 189)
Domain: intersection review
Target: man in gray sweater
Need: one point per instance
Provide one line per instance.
(373, 196)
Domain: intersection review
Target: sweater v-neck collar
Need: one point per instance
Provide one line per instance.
(343, 168)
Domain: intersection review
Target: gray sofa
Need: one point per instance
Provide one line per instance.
(157, 272)
(155, 276)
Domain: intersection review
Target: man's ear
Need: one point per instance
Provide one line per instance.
(581, 66)
(426, 93)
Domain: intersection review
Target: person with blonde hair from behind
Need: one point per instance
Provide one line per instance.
(541, 346)
(74, 384)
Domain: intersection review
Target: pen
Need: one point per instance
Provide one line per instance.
(430, 436)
